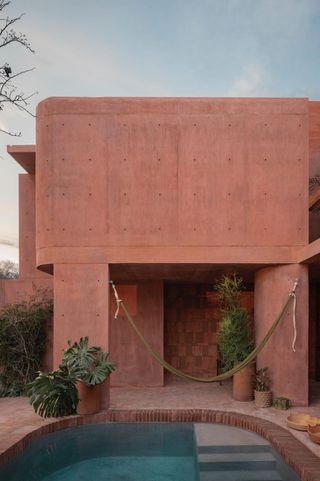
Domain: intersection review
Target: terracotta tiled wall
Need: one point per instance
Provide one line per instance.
(190, 338)
(191, 318)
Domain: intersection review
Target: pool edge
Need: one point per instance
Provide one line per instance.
(297, 455)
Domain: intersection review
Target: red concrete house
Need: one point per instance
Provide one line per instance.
(163, 195)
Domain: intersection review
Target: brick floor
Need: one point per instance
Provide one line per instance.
(183, 402)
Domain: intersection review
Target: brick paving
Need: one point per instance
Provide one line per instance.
(182, 402)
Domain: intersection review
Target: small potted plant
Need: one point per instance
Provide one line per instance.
(262, 393)
(90, 366)
(282, 403)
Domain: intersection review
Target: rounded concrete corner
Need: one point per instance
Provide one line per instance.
(49, 106)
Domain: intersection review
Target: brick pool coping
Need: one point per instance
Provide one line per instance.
(299, 457)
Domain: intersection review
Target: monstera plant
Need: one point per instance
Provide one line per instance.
(88, 364)
(76, 385)
(53, 394)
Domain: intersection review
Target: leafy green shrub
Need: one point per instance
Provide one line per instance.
(53, 394)
(87, 364)
(229, 290)
(235, 334)
(22, 341)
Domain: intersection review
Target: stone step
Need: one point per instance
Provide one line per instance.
(237, 465)
(261, 475)
(246, 448)
(233, 458)
(216, 457)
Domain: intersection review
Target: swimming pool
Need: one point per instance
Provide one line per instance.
(149, 452)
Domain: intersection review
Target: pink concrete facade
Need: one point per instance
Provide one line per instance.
(151, 190)
(289, 369)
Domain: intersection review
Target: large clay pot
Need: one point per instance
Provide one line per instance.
(89, 398)
(242, 383)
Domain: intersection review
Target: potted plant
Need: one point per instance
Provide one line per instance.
(262, 393)
(282, 403)
(90, 366)
(75, 386)
(53, 394)
(235, 336)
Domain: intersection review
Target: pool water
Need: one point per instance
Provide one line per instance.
(115, 451)
(149, 452)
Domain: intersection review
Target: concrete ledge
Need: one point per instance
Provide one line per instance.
(305, 463)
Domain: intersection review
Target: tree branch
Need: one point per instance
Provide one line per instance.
(12, 134)
(9, 92)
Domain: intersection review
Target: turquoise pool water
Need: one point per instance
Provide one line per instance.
(117, 452)
(149, 452)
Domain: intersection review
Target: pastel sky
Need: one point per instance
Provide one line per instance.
(215, 48)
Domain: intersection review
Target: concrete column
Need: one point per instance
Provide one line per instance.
(288, 369)
(81, 308)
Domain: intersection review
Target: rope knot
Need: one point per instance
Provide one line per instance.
(118, 300)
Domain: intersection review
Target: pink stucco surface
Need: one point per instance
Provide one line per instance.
(314, 138)
(168, 182)
(288, 369)
(81, 308)
(135, 366)
(170, 173)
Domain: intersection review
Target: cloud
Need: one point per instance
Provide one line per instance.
(9, 253)
(3, 126)
(251, 82)
(5, 241)
(88, 71)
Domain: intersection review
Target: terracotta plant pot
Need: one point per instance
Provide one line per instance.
(242, 383)
(263, 399)
(314, 433)
(89, 398)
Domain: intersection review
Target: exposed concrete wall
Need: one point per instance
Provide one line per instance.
(288, 369)
(27, 230)
(314, 138)
(204, 173)
(135, 366)
(164, 180)
(81, 308)
(81, 294)
(16, 290)
(314, 162)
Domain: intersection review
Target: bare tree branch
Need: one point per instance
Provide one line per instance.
(10, 93)
(4, 4)
(12, 134)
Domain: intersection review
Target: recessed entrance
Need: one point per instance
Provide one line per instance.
(191, 322)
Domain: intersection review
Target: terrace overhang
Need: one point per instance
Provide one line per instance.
(25, 155)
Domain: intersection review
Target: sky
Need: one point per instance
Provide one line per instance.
(171, 48)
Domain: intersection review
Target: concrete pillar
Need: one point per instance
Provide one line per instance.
(81, 308)
(288, 369)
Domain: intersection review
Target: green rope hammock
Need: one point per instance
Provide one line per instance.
(220, 377)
